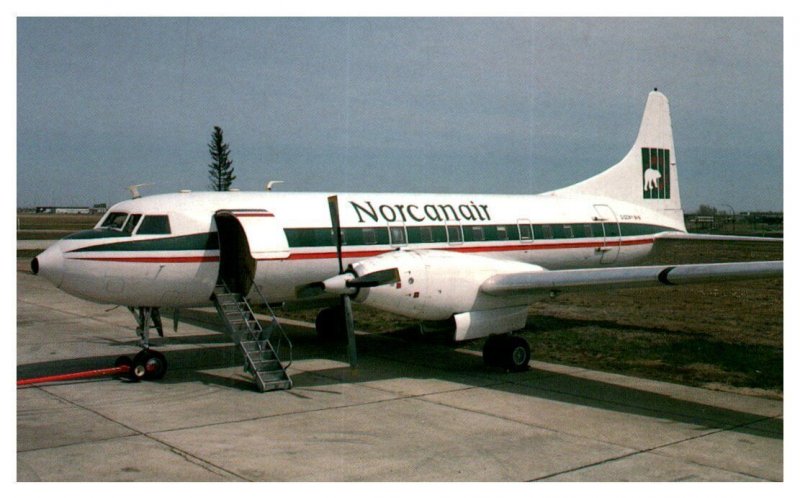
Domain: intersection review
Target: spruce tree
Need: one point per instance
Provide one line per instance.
(220, 171)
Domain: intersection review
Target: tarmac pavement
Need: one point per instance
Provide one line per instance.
(413, 410)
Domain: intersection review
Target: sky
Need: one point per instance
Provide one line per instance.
(481, 105)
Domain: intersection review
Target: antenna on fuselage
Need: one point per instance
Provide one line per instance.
(135, 189)
(270, 183)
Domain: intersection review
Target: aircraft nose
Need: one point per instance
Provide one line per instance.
(50, 265)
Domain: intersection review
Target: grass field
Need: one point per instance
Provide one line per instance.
(52, 226)
(727, 336)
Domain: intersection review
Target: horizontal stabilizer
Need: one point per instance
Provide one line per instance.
(635, 276)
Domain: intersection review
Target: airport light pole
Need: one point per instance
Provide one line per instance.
(733, 215)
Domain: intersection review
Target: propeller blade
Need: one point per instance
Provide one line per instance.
(309, 291)
(374, 279)
(351, 332)
(333, 207)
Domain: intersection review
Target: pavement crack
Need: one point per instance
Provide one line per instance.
(658, 447)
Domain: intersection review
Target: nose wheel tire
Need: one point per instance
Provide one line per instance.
(149, 365)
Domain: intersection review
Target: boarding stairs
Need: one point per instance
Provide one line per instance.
(260, 345)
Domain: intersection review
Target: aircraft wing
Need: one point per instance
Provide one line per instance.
(712, 237)
(544, 282)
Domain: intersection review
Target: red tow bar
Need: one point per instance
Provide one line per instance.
(74, 376)
(122, 366)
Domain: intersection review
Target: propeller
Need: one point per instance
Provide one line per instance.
(333, 206)
(347, 283)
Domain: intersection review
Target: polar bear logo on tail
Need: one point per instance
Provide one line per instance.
(651, 178)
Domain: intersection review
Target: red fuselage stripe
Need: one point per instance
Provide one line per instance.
(369, 254)
(472, 249)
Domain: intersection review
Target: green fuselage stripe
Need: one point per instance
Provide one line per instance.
(323, 236)
(196, 242)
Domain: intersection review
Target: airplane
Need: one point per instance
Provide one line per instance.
(469, 263)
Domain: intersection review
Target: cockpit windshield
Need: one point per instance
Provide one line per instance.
(124, 224)
(114, 221)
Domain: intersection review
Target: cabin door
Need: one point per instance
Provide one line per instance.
(247, 237)
(612, 237)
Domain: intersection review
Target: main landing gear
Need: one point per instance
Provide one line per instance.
(507, 351)
(330, 325)
(148, 364)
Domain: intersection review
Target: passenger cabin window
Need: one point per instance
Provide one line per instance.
(369, 236)
(502, 233)
(344, 236)
(426, 234)
(477, 234)
(114, 221)
(568, 232)
(454, 235)
(154, 225)
(547, 230)
(398, 235)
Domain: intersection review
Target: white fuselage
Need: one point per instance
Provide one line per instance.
(289, 238)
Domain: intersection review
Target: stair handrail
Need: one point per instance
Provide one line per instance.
(282, 333)
(254, 334)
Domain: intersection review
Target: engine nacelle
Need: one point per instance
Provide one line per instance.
(435, 285)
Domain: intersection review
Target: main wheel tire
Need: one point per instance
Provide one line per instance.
(491, 350)
(508, 352)
(330, 325)
(516, 353)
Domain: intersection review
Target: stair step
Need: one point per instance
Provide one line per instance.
(257, 355)
(278, 385)
(266, 365)
(266, 355)
(260, 358)
(272, 376)
(250, 346)
(238, 318)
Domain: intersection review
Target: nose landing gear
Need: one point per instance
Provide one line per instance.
(147, 364)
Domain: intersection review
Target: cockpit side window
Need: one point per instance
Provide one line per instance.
(130, 225)
(154, 225)
(114, 221)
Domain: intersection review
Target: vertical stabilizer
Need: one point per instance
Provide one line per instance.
(647, 175)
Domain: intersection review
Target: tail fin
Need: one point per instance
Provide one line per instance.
(647, 175)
